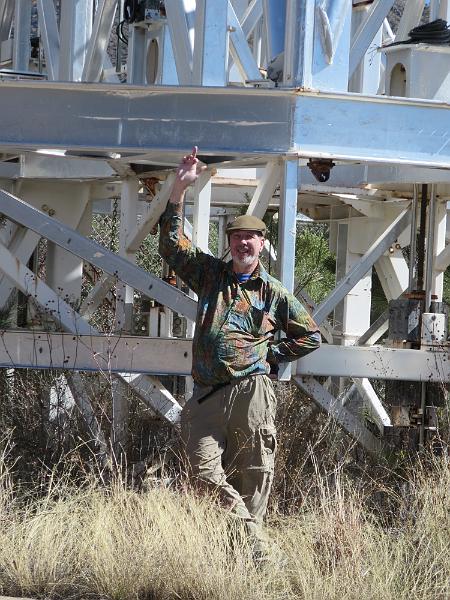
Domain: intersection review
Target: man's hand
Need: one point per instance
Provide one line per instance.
(187, 173)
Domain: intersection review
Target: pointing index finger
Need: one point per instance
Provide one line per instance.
(194, 152)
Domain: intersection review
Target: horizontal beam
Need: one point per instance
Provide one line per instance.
(151, 286)
(156, 356)
(161, 121)
(118, 354)
(377, 362)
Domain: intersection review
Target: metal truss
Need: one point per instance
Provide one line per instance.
(65, 237)
(206, 85)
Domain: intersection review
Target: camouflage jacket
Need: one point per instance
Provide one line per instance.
(236, 323)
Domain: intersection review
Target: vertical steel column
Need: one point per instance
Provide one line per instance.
(299, 43)
(437, 285)
(128, 220)
(124, 315)
(222, 243)
(434, 10)
(137, 52)
(75, 33)
(439, 9)
(287, 232)
(444, 10)
(168, 75)
(64, 269)
(275, 26)
(211, 47)
(201, 218)
(22, 28)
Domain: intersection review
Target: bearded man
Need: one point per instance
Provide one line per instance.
(228, 425)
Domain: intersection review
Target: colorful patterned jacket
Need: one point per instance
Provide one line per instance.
(236, 323)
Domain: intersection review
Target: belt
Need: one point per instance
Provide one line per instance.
(212, 390)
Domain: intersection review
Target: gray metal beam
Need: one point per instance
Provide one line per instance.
(22, 213)
(159, 121)
(156, 356)
(377, 362)
(287, 233)
(21, 42)
(115, 353)
(351, 424)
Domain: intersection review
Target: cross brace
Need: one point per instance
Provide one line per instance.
(20, 212)
(344, 418)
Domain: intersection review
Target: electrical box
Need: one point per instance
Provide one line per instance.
(144, 11)
(405, 320)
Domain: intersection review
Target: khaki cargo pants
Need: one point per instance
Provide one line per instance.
(229, 439)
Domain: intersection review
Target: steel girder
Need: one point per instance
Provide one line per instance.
(172, 356)
(156, 124)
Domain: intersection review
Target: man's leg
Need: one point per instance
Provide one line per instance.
(250, 452)
(203, 432)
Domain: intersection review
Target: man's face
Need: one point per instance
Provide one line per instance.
(245, 247)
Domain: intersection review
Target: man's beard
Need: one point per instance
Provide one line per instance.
(245, 261)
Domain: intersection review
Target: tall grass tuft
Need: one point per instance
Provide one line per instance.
(97, 541)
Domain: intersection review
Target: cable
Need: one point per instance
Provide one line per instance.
(436, 32)
(120, 33)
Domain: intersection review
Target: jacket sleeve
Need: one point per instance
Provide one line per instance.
(189, 263)
(302, 333)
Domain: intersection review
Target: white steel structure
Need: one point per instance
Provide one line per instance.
(374, 126)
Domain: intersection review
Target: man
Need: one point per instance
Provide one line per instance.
(228, 425)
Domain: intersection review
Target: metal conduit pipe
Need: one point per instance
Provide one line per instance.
(421, 240)
(430, 247)
(413, 244)
(275, 25)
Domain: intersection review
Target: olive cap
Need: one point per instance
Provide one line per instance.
(247, 223)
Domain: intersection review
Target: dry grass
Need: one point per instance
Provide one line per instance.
(111, 542)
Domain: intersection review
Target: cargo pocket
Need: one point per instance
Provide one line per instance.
(268, 447)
